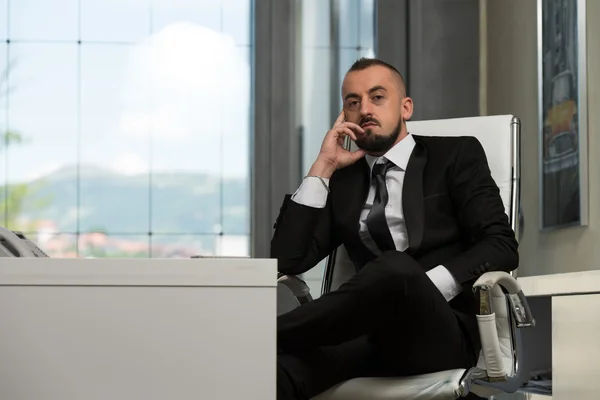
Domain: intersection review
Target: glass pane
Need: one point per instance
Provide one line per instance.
(42, 156)
(315, 23)
(44, 20)
(196, 100)
(101, 245)
(349, 28)
(367, 29)
(236, 152)
(367, 52)
(316, 89)
(56, 245)
(3, 20)
(186, 17)
(3, 130)
(232, 246)
(236, 200)
(182, 246)
(115, 20)
(185, 202)
(115, 157)
(230, 88)
(347, 58)
(236, 20)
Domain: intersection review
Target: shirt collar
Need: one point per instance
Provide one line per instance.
(399, 154)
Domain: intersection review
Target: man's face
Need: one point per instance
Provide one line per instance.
(374, 99)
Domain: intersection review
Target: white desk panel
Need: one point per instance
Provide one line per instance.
(575, 347)
(572, 326)
(137, 329)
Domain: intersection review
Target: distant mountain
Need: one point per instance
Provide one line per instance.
(115, 203)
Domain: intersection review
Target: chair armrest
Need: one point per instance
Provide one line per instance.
(496, 281)
(503, 311)
(297, 286)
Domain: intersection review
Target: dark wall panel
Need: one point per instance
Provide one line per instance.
(436, 42)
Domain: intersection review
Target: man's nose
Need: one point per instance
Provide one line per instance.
(366, 109)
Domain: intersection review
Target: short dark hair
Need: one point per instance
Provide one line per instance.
(364, 63)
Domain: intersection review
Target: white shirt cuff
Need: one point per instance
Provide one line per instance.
(444, 281)
(311, 192)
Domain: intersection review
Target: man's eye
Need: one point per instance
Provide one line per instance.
(353, 103)
(377, 97)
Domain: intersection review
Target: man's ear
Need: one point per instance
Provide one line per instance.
(407, 108)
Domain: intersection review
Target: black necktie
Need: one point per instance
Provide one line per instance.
(376, 222)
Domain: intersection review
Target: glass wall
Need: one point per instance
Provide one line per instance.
(125, 126)
(335, 33)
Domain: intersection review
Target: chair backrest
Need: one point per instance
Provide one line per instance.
(497, 134)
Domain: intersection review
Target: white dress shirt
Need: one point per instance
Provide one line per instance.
(312, 193)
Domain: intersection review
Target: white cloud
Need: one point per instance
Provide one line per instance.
(184, 83)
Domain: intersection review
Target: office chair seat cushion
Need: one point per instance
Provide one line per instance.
(443, 385)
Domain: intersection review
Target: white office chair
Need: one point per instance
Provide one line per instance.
(503, 308)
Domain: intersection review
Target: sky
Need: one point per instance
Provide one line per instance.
(165, 87)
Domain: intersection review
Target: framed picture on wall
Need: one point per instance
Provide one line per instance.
(562, 113)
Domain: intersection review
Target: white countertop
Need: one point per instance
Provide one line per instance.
(139, 272)
(561, 284)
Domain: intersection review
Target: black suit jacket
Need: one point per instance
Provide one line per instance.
(453, 210)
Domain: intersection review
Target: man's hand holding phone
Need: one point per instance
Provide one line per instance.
(332, 154)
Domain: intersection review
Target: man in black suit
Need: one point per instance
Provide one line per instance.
(421, 219)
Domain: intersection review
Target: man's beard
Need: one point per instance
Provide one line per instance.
(374, 143)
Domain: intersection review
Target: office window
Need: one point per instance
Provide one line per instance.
(4, 134)
(325, 58)
(125, 126)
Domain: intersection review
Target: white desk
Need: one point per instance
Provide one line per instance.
(567, 310)
(98, 329)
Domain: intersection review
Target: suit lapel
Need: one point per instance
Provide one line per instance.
(412, 197)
